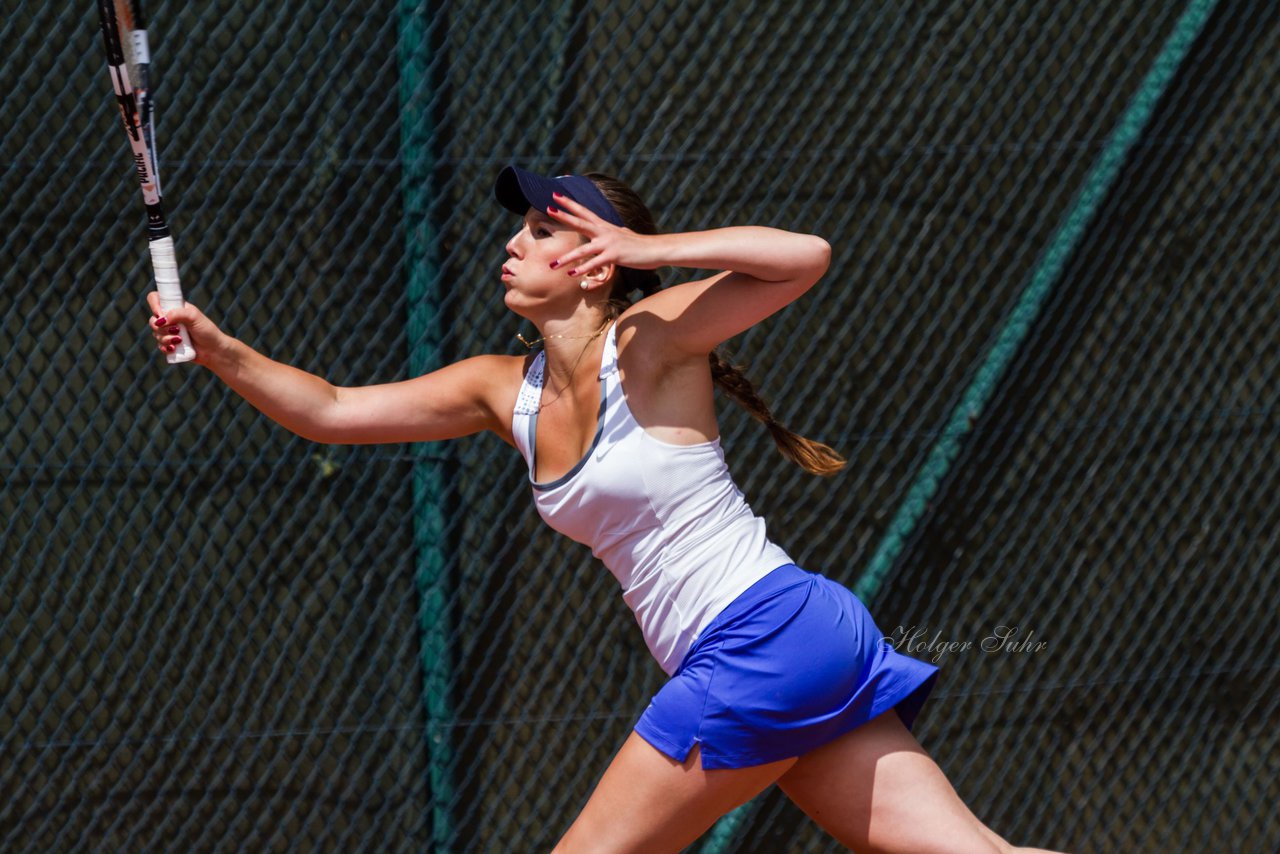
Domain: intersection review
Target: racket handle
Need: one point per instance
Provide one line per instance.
(165, 265)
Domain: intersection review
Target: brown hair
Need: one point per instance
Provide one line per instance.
(813, 457)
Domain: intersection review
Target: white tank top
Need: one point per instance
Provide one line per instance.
(667, 520)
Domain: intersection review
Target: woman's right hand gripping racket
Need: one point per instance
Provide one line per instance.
(124, 31)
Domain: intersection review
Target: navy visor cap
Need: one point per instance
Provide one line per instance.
(518, 189)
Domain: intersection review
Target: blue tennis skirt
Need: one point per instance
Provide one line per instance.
(792, 663)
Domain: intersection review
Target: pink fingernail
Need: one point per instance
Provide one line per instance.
(161, 321)
(552, 210)
(555, 264)
(557, 196)
(573, 272)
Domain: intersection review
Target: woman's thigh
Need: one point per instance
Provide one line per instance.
(648, 802)
(877, 790)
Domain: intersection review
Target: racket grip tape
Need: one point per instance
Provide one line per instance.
(165, 265)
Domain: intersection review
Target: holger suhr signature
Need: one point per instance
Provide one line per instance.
(916, 640)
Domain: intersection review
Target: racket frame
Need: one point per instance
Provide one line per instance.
(137, 112)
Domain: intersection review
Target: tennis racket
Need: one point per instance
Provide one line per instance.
(124, 32)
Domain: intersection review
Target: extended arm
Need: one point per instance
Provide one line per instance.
(296, 400)
(456, 400)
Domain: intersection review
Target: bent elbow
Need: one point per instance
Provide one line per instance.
(324, 426)
(315, 434)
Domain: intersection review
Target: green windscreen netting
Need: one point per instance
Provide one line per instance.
(1048, 343)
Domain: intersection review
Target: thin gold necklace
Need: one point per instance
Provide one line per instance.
(529, 344)
(547, 374)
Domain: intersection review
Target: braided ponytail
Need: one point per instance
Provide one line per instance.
(813, 457)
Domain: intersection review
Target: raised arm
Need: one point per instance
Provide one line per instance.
(759, 252)
(456, 400)
(764, 269)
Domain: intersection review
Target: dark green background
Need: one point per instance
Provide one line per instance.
(210, 629)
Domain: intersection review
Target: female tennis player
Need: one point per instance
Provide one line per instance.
(778, 675)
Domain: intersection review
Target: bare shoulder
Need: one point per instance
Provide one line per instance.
(693, 318)
(646, 335)
(669, 391)
(503, 378)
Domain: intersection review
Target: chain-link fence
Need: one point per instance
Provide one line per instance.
(1047, 344)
